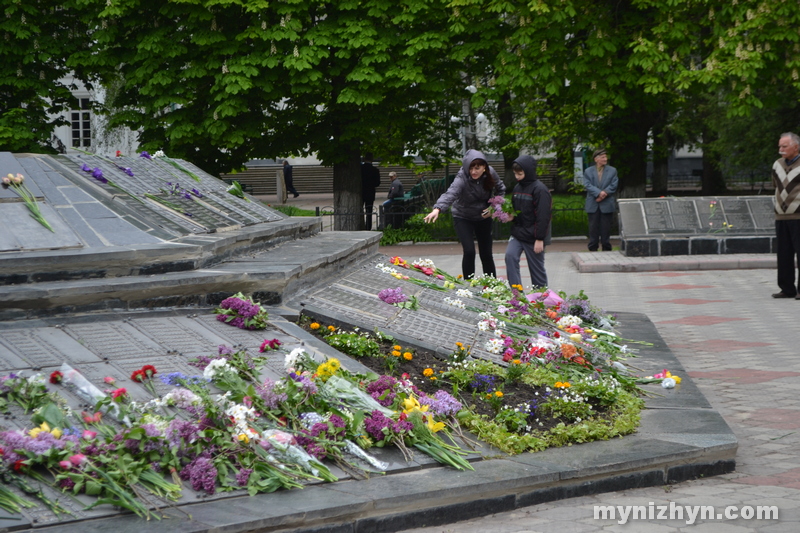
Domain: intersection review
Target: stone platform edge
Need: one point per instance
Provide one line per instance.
(596, 262)
(680, 438)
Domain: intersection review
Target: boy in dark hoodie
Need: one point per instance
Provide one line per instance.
(529, 231)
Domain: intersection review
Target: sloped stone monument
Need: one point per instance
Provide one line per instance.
(694, 226)
(117, 221)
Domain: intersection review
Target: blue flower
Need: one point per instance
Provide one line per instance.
(145, 155)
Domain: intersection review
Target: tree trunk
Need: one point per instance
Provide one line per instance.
(661, 150)
(505, 116)
(565, 163)
(348, 205)
(712, 181)
(628, 129)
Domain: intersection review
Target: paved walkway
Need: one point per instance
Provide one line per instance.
(740, 347)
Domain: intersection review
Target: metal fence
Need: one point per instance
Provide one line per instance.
(569, 219)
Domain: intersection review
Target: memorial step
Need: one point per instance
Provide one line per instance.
(269, 274)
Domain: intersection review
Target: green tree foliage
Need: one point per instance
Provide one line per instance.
(39, 38)
(219, 82)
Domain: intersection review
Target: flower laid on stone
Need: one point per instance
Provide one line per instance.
(397, 298)
(16, 183)
(267, 345)
(242, 312)
(144, 376)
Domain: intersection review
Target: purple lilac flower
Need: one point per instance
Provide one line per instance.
(222, 349)
(267, 393)
(496, 201)
(181, 430)
(375, 423)
(442, 403)
(243, 476)
(305, 383)
(241, 307)
(156, 467)
(392, 296)
(202, 474)
(381, 390)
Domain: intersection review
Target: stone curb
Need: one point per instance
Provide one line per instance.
(590, 263)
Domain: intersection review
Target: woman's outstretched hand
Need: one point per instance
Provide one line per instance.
(432, 216)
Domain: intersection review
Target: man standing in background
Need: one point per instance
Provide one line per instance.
(786, 179)
(601, 183)
(287, 178)
(370, 180)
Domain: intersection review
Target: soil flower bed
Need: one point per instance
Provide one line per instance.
(562, 378)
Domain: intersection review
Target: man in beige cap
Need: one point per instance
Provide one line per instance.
(601, 183)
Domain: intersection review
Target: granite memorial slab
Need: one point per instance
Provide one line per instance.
(697, 225)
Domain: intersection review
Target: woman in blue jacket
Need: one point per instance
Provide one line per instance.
(468, 199)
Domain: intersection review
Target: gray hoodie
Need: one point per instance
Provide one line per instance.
(466, 197)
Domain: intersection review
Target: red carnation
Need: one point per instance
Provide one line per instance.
(56, 377)
(138, 376)
(149, 370)
(119, 394)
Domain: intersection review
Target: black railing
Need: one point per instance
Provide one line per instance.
(569, 219)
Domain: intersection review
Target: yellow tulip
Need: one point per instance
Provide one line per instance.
(435, 426)
(576, 337)
(56, 433)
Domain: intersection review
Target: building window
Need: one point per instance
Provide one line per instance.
(81, 124)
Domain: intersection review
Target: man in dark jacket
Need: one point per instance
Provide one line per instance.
(287, 178)
(529, 232)
(370, 180)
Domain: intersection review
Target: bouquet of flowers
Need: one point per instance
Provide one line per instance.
(16, 182)
(242, 312)
(501, 209)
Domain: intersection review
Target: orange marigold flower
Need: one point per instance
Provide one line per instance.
(408, 356)
(428, 372)
(395, 353)
(498, 393)
(314, 325)
(331, 328)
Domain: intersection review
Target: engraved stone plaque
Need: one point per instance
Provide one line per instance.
(45, 347)
(114, 340)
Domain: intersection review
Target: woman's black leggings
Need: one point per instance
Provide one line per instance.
(468, 231)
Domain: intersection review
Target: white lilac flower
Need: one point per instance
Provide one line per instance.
(216, 366)
(495, 346)
(291, 358)
(159, 153)
(483, 325)
(464, 293)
